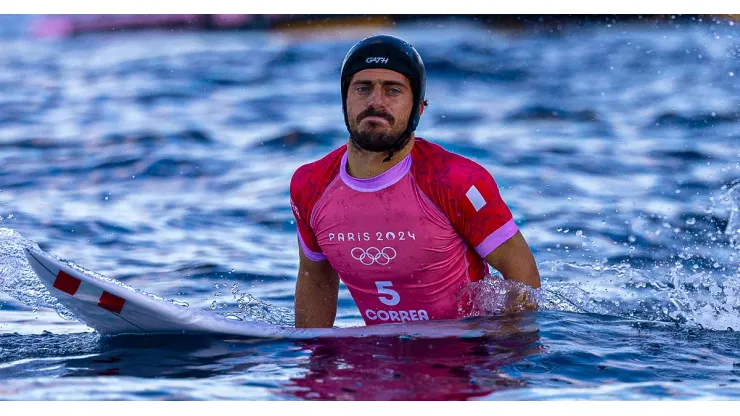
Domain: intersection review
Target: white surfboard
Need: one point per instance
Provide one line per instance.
(111, 308)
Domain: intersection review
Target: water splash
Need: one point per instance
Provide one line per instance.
(18, 280)
(253, 309)
(496, 296)
(707, 299)
(733, 198)
(245, 307)
(670, 291)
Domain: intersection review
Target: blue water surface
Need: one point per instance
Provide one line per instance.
(163, 159)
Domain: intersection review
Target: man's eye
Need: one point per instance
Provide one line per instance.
(394, 91)
(362, 89)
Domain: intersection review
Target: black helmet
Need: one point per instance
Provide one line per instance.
(387, 52)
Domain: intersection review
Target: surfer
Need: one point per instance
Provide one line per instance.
(404, 223)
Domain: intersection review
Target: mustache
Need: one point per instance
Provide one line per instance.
(373, 113)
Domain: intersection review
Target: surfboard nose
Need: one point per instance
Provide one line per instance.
(45, 275)
(33, 253)
(43, 270)
(29, 256)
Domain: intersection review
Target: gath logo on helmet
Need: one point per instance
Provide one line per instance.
(377, 60)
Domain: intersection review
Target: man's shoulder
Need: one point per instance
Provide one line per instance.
(463, 190)
(438, 165)
(315, 176)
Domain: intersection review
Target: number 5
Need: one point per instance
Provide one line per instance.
(384, 289)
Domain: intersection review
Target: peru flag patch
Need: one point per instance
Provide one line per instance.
(475, 198)
(479, 196)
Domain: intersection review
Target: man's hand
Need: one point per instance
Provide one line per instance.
(520, 298)
(316, 293)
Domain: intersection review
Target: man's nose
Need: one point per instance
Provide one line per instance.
(377, 99)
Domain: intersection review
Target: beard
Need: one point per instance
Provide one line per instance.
(372, 138)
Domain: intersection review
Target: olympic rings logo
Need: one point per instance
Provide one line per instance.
(374, 255)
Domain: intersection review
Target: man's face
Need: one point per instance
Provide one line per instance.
(379, 103)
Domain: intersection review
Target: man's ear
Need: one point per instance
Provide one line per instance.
(422, 105)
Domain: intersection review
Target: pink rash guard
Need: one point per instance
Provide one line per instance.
(408, 240)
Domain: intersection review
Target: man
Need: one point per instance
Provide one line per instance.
(404, 223)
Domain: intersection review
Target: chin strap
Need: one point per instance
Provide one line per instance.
(390, 156)
(400, 143)
(402, 140)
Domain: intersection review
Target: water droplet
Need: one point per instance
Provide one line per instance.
(213, 305)
(691, 221)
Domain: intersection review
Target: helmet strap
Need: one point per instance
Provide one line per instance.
(405, 136)
(400, 143)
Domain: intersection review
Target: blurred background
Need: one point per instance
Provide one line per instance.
(158, 149)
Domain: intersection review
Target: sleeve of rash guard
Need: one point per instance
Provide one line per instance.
(302, 207)
(478, 212)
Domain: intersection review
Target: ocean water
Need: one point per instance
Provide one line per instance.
(162, 159)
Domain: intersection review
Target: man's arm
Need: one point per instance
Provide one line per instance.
(316, 293)
(516, 262)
